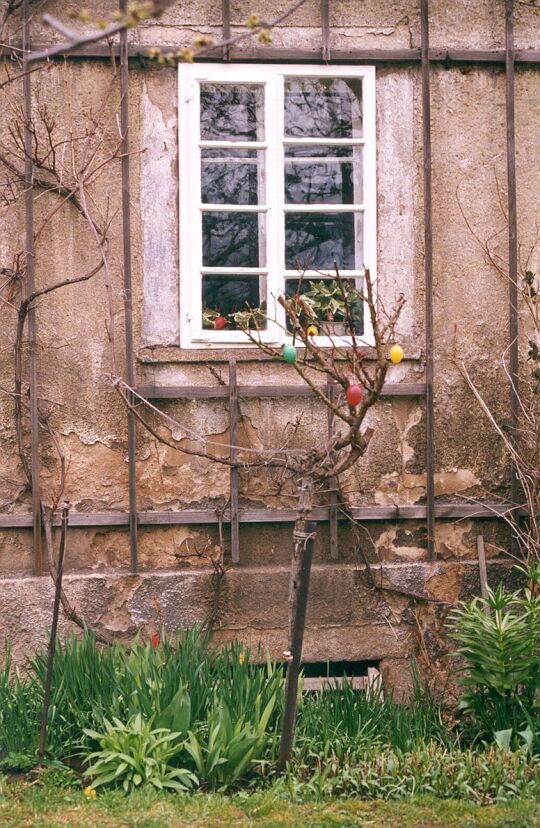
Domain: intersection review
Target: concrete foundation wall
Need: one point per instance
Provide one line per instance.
(78, 353)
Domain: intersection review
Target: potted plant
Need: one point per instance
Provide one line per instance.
(328, 300)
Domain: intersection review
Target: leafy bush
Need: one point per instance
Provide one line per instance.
(133, 754)
(499, 640)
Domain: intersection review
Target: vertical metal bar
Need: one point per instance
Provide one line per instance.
(226, 27)
(128, 295)
(30, 288)
(233, 421)
(325, 26)
(428, 271)
(333, 512)
(482, 568)
(512, 249)
(300, 576)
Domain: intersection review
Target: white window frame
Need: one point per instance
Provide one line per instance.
(272, 76)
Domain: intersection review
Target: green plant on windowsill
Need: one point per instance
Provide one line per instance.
(251, 319)
(328, 300)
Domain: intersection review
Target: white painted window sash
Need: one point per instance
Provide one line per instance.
(274, 273)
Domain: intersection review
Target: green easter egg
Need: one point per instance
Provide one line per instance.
(289, 353)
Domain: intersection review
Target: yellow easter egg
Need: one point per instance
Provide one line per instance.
(312, 331)
(396, 354)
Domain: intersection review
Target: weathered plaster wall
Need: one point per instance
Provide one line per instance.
(347, 619)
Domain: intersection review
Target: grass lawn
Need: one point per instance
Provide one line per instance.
(45, 804)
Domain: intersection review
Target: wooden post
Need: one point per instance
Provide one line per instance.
(333, 514)
(54, 627)
(304, 539)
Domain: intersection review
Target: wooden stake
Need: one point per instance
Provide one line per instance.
(54, 627)
(304, 540)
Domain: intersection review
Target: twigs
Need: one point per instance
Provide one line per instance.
(54, 571)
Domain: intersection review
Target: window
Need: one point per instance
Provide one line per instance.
(277, 183)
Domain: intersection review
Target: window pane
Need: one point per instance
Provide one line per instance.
(323, 307)
(232, 176)
(233, 303)
(317, 240)
(233, 239)
(323, 175)
(323, 107)
(231, 112)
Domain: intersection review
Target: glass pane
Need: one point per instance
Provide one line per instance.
(321, 305)
(323, 107)
(232, 176)
(231, 112)
(233, 303)
(323, 175)
(233, 239)
(316, 240)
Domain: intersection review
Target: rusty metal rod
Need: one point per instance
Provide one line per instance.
(325, 26)
(233, 424)
(512, 251)
(226, 27)
(486, 57)
(52, 638)
(128, 293)
(428, 271)
(29, 289)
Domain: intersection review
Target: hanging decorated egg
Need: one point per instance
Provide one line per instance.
(396, 354)
(312, 330)
(219, 323)
(289, 353)
(355, 394)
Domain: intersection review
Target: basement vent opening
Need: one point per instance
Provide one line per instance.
(363, 675)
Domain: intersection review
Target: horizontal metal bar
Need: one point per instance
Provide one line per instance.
(203, 392)
(277, 55)
(210, 516)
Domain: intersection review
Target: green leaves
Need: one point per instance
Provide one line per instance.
(223, 750)
(133, 754)
(499, 640)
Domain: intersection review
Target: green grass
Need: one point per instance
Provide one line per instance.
(45, 803)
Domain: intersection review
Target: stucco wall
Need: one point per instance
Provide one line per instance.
(75, 358)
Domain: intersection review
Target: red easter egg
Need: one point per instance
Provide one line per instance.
(355, 394)
(219, 323)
